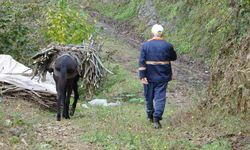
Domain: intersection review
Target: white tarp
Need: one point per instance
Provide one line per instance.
(15, 73)
(103, 102)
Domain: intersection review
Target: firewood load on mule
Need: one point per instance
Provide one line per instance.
(90, 67)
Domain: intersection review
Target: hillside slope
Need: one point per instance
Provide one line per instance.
(199, 31)
(196, 28)
(23, 125)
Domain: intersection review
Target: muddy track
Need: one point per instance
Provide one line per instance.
(191, 80)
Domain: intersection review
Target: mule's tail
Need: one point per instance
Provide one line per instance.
(63, 77)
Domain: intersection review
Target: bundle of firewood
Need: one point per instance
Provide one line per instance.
(44, 99)
(90, 66)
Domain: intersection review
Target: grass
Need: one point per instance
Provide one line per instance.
(124, 81)
(116, 127)
(128, 11)
(1, 113)
(196, 29)
(123, 127)
(119, 127)
(122, 10)
(219, 144)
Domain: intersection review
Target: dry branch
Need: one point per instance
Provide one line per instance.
(90, 69)
(46, 100)
(90, 66)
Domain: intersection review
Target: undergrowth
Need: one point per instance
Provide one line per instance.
(197, 28)
(120, 84)
(19, 34)
(125, 126)
(195, 31)
(128, 11)
(121, 10)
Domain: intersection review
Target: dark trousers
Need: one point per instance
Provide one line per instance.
(155, 96)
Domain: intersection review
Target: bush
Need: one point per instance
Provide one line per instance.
(13, 33)
(129, 11)
(66, 26)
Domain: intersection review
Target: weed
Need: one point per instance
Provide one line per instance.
(218, 144)
(119, 83)
(126, 127)
(129, 11)
(1, 116)
(14, 139)
(129, 128)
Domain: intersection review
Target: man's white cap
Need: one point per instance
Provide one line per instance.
(157, 29)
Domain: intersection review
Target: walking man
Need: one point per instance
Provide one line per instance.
(155, 72)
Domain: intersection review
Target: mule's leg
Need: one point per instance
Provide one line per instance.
(61, 92)
(67, 100)
(60, 96)
(76, 96)
(59, 102)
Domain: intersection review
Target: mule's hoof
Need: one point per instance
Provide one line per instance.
(66, 116)
(72, 113)
(58, 118)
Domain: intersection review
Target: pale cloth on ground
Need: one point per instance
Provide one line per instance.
(15, 73)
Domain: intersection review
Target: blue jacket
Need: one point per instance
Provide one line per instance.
(156, 49)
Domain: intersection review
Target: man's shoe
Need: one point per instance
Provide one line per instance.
(150, 120)
(157, 124)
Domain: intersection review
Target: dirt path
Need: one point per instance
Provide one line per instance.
(26, 126)
(47, 133)
(191, 80)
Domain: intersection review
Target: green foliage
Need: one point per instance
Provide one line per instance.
(66, 26)
(202, 24)
(127, 11)
(191, 24)
(13, 33)
(243, 18)
(20, 34)
(119, 10)
(123, 84)
(63, 4)
(120, 83)
(136, 100)
(107, 10)
(168, 10)
(14, 139)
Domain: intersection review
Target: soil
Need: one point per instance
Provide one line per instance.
(190, 82)
(191, 77)
(46, 134)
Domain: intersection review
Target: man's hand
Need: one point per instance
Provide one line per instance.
(174, 77)
(144, 80)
